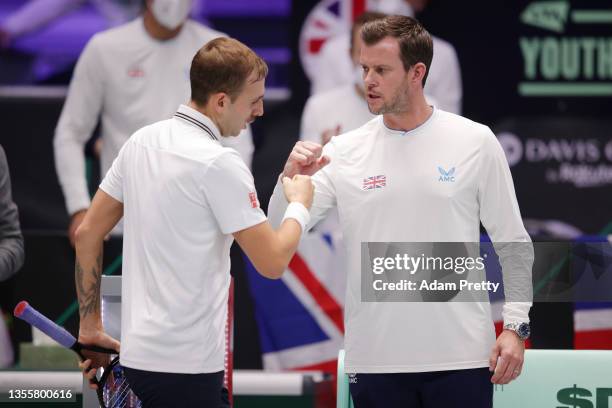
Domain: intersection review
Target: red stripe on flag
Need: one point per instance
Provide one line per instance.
(358, 8)
(319, 293)
(499, 327)
(593, 340)
(315, 44)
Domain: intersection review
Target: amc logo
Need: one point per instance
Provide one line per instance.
(446, 175)
(577, 397)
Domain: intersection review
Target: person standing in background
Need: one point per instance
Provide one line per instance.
(11, 249)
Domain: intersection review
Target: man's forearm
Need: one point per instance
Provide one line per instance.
(88, 272)
(287, 240)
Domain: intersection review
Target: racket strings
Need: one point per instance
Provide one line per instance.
(117, 396)
(117, 392)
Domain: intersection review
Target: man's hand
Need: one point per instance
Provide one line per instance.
(306, 159)
(75, 221)
(329, 133)
(507, 357)
(299, 189)
(94, 360)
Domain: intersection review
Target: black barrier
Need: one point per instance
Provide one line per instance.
(528, 57)
(562, 171)
(27, 137)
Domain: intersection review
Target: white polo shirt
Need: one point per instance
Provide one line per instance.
(126, 79)
(184, 195)
(415, 205)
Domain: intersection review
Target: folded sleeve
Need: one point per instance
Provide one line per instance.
(501, 217)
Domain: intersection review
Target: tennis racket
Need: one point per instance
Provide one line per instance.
(113, 390)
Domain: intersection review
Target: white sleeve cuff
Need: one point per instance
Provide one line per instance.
(76, 203)
(516, 312)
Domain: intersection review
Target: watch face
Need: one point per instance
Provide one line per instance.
(523, 330)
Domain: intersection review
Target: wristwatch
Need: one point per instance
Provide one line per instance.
(521, 329)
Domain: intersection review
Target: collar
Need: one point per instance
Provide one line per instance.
(195, 118)
(416, 130)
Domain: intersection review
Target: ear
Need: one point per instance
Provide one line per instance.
(418, 72)
(219, 101)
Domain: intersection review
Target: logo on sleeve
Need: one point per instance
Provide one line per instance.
(447, 176)
(373, 182)
(135, 71)
(253, 199)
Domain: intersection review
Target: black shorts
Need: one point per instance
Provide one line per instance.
(168, 390)
(438, 389)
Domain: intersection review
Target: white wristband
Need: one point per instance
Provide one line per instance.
(298, 212)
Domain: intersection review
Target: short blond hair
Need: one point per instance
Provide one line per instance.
(223, 65)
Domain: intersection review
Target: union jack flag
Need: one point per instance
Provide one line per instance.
(300, 316)
(374, 182)
(326, 20)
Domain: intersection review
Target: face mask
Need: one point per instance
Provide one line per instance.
(171, 13)
(358, 77)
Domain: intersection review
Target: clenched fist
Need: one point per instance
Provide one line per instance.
(299, 189)
(305, 158)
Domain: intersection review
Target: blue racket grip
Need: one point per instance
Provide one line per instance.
(27, 313)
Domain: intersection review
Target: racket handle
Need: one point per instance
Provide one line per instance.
(27, 313)
(98, 349)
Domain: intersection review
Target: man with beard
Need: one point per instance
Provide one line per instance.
(418, 174)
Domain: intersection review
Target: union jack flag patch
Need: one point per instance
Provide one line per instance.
(253, 199)
(135, 72)
(374, 182)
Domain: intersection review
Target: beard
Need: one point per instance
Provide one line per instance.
(398, 103)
